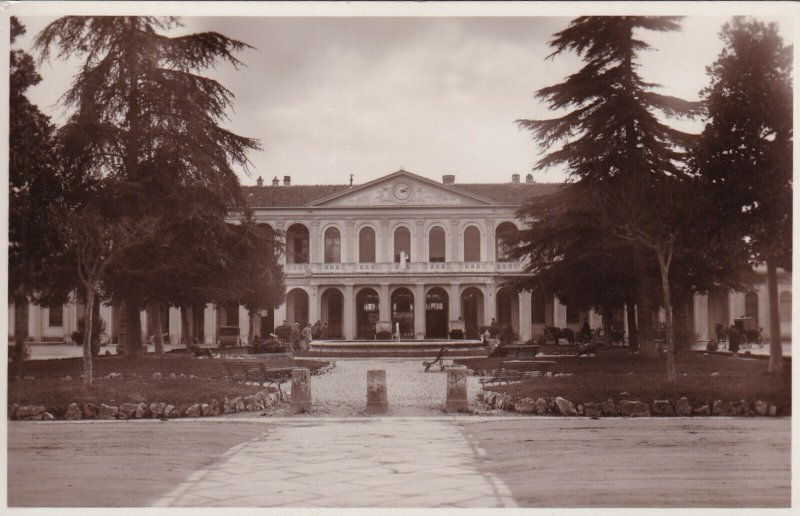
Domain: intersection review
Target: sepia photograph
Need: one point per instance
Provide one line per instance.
(305, 257)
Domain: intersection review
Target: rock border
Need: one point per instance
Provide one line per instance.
(681, 407)
(261, 400)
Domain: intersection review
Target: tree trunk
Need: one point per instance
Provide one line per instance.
(644, 307)
(88, 322)
(133, 330)
(669, 336)
(20, 334)
(96, 320)
(158, 333)
(775, 345)
(186, 335)
(633, 331)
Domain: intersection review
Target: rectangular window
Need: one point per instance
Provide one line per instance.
(573, 314)
(55, 316)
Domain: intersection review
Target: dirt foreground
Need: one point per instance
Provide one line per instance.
(112, 464)
(649, 462)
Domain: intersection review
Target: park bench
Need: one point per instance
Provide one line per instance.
(439, 359)
(515, 351)
(516, 370)
(275, 370)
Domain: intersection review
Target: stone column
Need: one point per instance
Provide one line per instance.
(313, 304)
(174, 315)
(385, 244)
(456, 400)
(384, 303)
(419, 253)
(210, 324)
(301, 391)
(559, 314)
(244, 324)
(279, 225)
(455, 243)
(349, 313)
(314, 243)
(349, 250)
(489, 240)
(454, 302)
(419, 311)
(524, 315)
(489, 305)
(700, 322)
(377, 400)
(106, 314)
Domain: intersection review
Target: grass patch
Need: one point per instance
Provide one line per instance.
(137, 384)
(617, 372)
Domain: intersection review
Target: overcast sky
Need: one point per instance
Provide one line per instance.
(328, 97)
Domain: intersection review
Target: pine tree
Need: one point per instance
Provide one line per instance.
(143, 117)
(745, 151)
(612, 129)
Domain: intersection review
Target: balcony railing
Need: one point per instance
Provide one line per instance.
(299, 269)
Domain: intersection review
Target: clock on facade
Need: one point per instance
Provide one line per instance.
(402, 191)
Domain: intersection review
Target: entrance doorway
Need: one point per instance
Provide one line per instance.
(366, 313)
(436, 311)
(403, 312)
(332, 309)
(508, 313)
(472, 311)
(297, 307)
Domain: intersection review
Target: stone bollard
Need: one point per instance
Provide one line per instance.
(456, 390)
(301, 391)
(377, 401)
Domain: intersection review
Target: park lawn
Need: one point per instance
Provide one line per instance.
(617, 375)
(51, 390)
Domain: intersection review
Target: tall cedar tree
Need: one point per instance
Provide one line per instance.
(612, 129)
(138, 107)
(745, 151)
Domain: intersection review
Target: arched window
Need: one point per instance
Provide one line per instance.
(472, 244)
(503, 231)
(366, 245)
(297, 244)
(436, 244)
(332, 246)
(785, 304)
(402, 242)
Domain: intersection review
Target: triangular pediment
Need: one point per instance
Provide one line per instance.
(402, 188)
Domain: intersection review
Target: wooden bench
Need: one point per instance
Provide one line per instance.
(516, 370)
(274, 370)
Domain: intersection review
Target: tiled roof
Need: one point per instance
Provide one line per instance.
(301, 195)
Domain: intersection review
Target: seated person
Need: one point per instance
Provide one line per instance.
(198, 351)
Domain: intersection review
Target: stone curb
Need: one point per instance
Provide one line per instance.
(559, 406)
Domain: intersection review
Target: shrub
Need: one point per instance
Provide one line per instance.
(712, 345)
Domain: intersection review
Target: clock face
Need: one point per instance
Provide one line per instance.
(402, 191)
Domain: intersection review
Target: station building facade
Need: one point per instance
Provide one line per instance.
(410, 250)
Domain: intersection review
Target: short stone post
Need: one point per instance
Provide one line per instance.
(301, 391)
(456, 390)
(377, 401)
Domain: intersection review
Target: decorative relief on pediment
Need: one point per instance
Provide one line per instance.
(402, 191)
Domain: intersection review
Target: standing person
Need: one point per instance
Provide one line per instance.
(305, 338)
(316, 331)
(295, 337)
(734, 340)
(494, 328)
(324, 332)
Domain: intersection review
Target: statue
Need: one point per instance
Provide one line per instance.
(403, 259)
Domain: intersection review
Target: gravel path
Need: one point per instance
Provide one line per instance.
(342, 391)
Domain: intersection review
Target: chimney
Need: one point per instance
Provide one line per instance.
(448, 179)
(276, 181)
(515, 178)
(259, 181)
(287, 180)
(529, 179)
